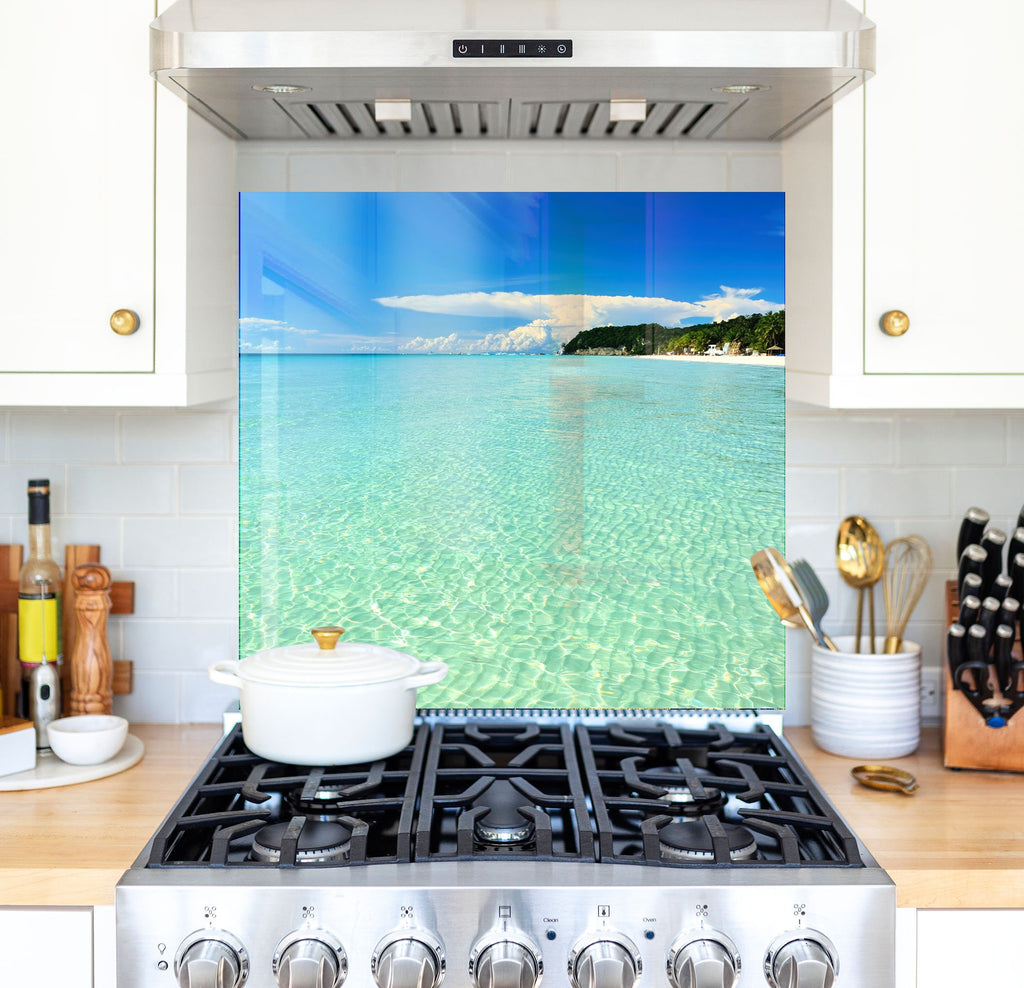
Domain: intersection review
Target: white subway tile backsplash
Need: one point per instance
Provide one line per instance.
(14, 478)
(567, 171)
(343, 172)
(5, 420)
(1015, 439)
(208, 593)
(651, 172)
(179, 645)
(72, 437)
(179, 542)
(209, 490)
(156, 592)
(443, 172)
(175, 437)
(812, 493)
(930, 440)
(896, 493)
(820, 440)
(122, 490)
(999, 490)
(101, 530)
(203, 701)
(154, 699)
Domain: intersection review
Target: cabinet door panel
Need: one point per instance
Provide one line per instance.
(944, 209)
(43, 946)
(76, 186)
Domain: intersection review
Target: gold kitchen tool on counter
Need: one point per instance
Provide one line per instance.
(908, 564)
(885, 777)
(860, 559)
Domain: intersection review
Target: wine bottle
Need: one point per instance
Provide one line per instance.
(39, 592)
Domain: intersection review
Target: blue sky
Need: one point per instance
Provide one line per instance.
(500, 272)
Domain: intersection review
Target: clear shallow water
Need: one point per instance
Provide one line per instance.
(563, 531)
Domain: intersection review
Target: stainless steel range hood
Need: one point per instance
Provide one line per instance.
(497, 69)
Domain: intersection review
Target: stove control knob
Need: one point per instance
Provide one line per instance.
(409, 959)
(707, 960)
(211, 959)
(505, 961)
(801, 959)
(609, 960)
(310, 959)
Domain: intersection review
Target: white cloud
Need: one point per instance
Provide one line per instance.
(271, 346)
(556, 319)
(253, 325)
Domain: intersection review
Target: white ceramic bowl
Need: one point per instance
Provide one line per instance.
(88, 739)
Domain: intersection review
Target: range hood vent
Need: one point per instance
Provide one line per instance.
(490, 69)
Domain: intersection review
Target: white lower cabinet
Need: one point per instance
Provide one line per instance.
(969, 947)
(47, 947)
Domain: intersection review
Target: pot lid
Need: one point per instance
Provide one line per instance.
(326, 663)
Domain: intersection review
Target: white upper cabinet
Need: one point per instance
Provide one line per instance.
(907, 199)
(98, 216)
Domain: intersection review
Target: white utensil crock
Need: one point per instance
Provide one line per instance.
(310, 705)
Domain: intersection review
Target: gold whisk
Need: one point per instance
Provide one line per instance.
(908, 564)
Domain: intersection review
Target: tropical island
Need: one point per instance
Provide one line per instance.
(757, 333)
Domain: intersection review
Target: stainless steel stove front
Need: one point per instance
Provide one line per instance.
(486, 925)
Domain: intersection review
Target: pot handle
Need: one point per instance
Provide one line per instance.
(224, 672)
(429, 673)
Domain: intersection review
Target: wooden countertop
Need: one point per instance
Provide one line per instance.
(958, 843)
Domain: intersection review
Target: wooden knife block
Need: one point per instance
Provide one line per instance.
(122, 597)
(967, 741)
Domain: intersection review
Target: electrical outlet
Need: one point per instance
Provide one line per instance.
(931, 694)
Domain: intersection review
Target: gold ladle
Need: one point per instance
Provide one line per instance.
(782, 593)
(860, 559)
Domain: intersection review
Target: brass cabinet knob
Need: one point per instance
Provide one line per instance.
(124, 322)
(895, 323)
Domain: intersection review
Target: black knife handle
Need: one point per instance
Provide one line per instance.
(971, 528)
(970, 607)
(1020, 518)
(1017, 576)
(977, 662)
(1016, 545)
(993, 542)
(980, 690)
(1009, 612)
(956, 653)
(988, 618)
(1001, 587)
(1005, 635)
(972, 560)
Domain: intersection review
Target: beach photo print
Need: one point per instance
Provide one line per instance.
(537, 436)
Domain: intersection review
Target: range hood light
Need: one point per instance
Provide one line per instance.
(393, 109)
(280, 90)
(627, 109)
(741, 89)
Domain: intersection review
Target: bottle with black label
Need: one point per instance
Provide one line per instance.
(39, 593)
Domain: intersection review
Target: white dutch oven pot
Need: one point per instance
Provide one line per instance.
(327, 704)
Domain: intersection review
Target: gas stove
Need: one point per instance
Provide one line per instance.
(588, 850)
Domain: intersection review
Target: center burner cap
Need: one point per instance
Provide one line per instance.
(502, 823)
(319, 842)
(691, 841)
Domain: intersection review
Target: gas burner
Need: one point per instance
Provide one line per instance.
(319, 843)
(682, 802)
(327, 803)
(691, 841)
(502, 824)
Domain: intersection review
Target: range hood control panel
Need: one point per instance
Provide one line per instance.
(514, 48)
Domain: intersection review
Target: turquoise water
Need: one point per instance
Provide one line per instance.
(563, 531)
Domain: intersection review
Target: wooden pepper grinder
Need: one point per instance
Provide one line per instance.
(92, 670)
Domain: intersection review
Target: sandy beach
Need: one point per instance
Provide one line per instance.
(760, 361)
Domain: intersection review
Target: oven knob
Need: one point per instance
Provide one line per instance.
(505, 963)
(408, 961)
(211, 959)
(801, 959)
(610, 962)
(709, 960)
(311, 959)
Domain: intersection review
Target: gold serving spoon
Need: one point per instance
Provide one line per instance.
(860, 559)
(782, 594)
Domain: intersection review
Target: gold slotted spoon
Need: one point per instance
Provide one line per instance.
(860, 559)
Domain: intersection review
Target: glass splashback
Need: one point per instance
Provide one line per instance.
(535, 435)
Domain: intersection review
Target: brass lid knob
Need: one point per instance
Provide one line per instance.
(124, 322)
(327, 638)
(895, 323)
